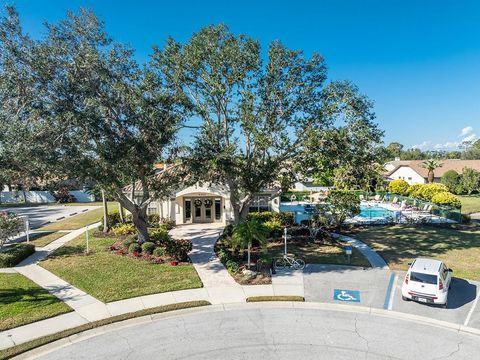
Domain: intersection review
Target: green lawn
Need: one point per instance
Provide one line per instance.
(470, 203)
(458, 247)
(110, 277)
(23, 302)
(80, 220)
(43, 239)
(319, 253)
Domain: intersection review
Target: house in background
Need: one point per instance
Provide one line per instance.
(412, 171)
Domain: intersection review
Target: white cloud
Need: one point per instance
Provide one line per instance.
(466, 134)
(467, 130)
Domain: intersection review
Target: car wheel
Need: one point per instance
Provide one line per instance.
(404, 298)
(445, 306)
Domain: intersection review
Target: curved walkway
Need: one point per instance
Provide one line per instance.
(271, 331)
(375, 260)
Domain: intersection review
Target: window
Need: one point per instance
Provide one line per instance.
(218, 209)
(188, 209)
(260, 203)
(423, 278)
(152, 210)
(409, 178)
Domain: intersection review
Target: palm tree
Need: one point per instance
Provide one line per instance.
(246, 233)
(431, 165)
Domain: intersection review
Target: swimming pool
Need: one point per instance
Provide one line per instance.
(303, 211)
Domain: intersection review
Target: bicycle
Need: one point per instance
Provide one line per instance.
(287, 261)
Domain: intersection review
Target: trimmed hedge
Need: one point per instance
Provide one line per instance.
(15, 254)
(446, 198)
(398, 186)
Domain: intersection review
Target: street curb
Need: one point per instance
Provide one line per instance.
(56, 345)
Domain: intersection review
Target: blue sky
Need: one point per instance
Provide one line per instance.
(418, 60)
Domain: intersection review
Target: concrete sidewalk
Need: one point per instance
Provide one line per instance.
(373, 258)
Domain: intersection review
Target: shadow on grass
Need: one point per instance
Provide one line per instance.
(33, 295)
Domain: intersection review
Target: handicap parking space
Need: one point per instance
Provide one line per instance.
(346, 284)
(461, 299)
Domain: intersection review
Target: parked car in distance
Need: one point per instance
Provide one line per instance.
(427, 281)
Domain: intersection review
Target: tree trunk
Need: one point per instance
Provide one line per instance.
(24, 196)
(139, 218)
(120, 210)
(105, 213)
(430, 176)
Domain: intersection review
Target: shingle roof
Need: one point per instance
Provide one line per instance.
(450, 164)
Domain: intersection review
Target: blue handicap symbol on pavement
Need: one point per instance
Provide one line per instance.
(346, 295)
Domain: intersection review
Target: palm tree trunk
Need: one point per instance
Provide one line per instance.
(248, 255)
(430, 176)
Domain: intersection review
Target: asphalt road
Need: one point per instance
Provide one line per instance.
(265, 332)
(41, 215)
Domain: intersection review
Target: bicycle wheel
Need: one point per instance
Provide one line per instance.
(298, 264)
(280, 263)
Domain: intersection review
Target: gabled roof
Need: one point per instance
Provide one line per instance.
(449, 164)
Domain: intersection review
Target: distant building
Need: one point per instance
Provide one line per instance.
(413, 172)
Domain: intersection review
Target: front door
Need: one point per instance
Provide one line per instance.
(202, 210)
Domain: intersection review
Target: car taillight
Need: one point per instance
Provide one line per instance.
(406, 278)
(440, 284)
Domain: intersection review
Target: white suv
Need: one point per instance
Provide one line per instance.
(427, 281)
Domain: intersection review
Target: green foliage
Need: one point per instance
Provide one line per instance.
(470, 180)
(15, 254)
(148, 247)
(274, 226)
(343, 204)
(134, 248)
(179, 249)
(260, 217)
(431, 165)
(398, 186)
(124, 229)
(10, 226)
(153, 220)
(128, 241)
(63, 196)
(446, 198)
(297, 195)
(232, 266)
(228, 230)
(159, 251)
(283, 218)
(113, 218)
(159, 236)
(248, 233)
(168, 224)
(414, 190)
(451, 179)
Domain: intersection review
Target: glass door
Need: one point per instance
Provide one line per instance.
(207, 204)
(197, 210)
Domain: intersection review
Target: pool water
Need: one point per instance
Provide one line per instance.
(366, 211)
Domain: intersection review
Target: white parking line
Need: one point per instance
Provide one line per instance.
(392, 295)
(467, 320)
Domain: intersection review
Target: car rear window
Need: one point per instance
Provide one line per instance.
(423, 278)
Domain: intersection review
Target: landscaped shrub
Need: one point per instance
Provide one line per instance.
(223, 256)
(228, 230)
(446, 198)
(451, 179)
(274, 227)
(63, 196)
(179, 249)
(15, 254)
(232, 266)
(159, 236)
(124, 229)
(10, 226)
(169, 224)
(113, 219)
(129, 241)
(159, 251)
(134, 248)
(260, 217)
(148, 247)
(153, 220)
(286, 218)
(426, 191)
(414, 190)
(398, 186)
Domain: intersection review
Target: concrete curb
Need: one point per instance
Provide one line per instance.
(48, 348)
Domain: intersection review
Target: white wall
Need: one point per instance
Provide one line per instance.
(41, 197)
(408, 174)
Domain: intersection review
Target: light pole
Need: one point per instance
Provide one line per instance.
(27, 228)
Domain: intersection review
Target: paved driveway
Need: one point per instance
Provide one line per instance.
(41, 215)
(382, 289)
(268, 332)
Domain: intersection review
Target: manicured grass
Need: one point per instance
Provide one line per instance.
(470, 203)
(110, 277)
(457, 246)
(80, 220)
(275, 298)
(23, 302)
(22, 348)
(314, 253)
(43, 239)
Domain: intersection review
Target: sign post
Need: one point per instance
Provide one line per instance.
(285, 236)
(86, 237)
(348, 251)
(27, 228)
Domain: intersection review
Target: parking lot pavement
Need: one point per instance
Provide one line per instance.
(321, 281)
(461, 299)
(41, 215)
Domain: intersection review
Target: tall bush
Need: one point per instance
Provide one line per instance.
(470, 180)
(344, 204)
(451, 179)
(427, 191)
(398, 186)
(446, 198)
